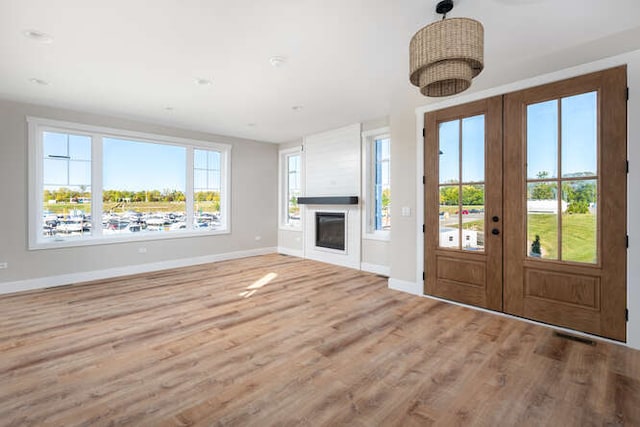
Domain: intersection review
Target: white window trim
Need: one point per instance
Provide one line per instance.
(282, 187)
(37, 126)
(368, 178)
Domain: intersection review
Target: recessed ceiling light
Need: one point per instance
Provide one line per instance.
(39, 81)
(203, 82)
(277, 61)
(297, 108)
(38, 36)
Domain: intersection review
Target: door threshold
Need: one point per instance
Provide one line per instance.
(558, 330)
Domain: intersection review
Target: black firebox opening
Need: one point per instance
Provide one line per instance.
(330, 230)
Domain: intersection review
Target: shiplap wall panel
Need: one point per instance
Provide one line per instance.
(333, 162)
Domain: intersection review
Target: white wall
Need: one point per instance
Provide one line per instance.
(253, 185)
(403, 189)
(407, 171)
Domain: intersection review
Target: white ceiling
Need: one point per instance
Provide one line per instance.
(347, 60)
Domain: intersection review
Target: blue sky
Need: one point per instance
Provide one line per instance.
(579, 140)
(137, 166)
(472, 150)
(127, 165)
(579, 136)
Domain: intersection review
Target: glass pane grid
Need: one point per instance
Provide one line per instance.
(461, 178)
(207, 190)
(66, 186)
(381, 186)
(293, 190)
(563, 226)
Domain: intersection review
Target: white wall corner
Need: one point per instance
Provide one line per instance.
(413, 288)
(292, 252)
(383, 270)
(86, 276)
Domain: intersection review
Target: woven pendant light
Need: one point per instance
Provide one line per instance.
(447, 54)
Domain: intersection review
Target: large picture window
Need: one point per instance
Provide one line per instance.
(92, 185)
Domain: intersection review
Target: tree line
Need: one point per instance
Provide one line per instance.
(66, 195)
(472, 195)
(579, 195)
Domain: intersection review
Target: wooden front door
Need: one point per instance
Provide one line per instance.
(555, 184)
(463, 203)
(565, 194)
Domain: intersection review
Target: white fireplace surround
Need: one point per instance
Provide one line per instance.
(332, 169)
(350, 257)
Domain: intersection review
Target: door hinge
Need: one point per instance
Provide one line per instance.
(626, 310)
(423, 228)
(423, 132)
(626, 238)
(423, 180)
(302, 147)
(627, 94)
(423, 275)
(627, 166)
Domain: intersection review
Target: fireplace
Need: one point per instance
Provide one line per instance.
(330, 230)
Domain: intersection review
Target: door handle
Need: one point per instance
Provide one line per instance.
(495, 231)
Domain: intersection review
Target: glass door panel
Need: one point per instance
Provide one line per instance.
(562, 152)
(461, 179)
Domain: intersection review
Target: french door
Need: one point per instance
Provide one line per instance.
(463, 203)
(525, 203)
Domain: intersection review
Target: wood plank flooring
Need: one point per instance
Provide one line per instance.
(277, 340)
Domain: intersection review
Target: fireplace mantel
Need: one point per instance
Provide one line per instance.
(328, 200)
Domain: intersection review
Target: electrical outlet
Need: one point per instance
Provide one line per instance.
(142, 250)
(4, 265)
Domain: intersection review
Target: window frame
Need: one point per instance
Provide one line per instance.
(283, 186)
(36, 128)
(368, 183)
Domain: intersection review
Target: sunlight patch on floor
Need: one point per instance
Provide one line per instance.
(253, 288)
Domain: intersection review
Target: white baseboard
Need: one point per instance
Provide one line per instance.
(293, 252)
(405, 286)
(382, 270)
(85, 276)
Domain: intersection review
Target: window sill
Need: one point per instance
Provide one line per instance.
(123, 239)
(384, 236)
(285, 227)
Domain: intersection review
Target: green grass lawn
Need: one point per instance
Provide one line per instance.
(579, 240)
(579, 237)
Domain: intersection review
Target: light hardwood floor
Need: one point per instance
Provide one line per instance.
(276, 340)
